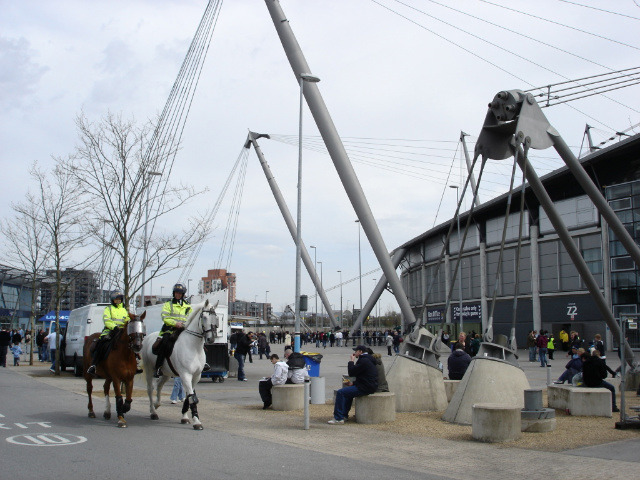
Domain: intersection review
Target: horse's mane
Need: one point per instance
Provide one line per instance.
(195, 311)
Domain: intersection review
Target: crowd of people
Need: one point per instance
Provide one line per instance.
(18, 341)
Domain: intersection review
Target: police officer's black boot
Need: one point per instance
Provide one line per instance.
(158, 368)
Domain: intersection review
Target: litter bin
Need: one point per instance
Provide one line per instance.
(312, 360)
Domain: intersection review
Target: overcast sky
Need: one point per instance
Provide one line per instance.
(400, 87)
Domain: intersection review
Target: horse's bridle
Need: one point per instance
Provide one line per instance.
(210, 310)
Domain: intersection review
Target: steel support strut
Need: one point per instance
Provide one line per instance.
(339, 156)
(288, 219)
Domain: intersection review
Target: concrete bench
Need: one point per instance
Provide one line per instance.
(450, 387)
(580, 401)
(288, 397)
(378, 407)
(493, 422)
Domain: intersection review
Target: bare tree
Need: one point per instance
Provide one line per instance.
(60, 210)
(127, 185)
(28, 247)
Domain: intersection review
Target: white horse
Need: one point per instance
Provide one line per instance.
(188, 359)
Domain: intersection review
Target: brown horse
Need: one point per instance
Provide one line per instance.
(119, 367)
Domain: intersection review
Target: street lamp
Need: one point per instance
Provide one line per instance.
(304, 77)
(144, 250)
(321, 286)
(341, 311)
(359, 264)
(266, 316)
(459, 253)
(315, 269)
(161, 289)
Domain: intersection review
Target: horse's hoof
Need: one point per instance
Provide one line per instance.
(154, 416)
(122, 424)
(92, 415)
(184, 421)
(198, 426)
(107, 416)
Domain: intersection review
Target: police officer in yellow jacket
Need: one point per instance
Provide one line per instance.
(174, 315)
(114, 316)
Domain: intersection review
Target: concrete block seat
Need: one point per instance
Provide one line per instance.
(580, 401)
(494, 422)
(378, 407)
(288, 397)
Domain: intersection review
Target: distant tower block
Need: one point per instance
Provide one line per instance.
(489, 379)
(414, 376)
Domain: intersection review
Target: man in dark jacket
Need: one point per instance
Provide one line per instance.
(5, 341)
(594, 372)
(366, 382)
(242, 348)
(458, 363)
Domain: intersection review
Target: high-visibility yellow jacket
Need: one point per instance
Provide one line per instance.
(114, 316)
(174, 312)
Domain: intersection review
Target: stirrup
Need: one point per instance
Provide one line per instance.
(206, 367)
(157, 373)
(92, 370)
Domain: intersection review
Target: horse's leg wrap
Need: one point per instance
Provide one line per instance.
(119, 406)
(185, 405)
(193, 398)
(194, 409)
(127, 406)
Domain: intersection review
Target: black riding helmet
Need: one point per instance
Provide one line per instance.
(115, 295)
(179, 288)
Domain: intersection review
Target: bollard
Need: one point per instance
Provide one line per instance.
(306, 404)
(317, 391)
(548, 377)
(533, 400)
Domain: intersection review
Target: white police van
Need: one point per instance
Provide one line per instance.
(83, 322)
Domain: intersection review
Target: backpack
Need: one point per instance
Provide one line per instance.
(296, 360)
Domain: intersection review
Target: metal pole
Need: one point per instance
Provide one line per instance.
(359, 263)
(296, 347)
(338, 154)
(315, 268)
(623, 370)
(322, 288)
(460, 253)
(307, 389)
(341, 309)
(469, 169)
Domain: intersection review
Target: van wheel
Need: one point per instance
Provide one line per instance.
(77, 367)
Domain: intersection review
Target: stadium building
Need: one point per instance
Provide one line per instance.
(551, 294)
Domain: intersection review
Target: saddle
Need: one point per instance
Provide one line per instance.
(163, 346)
(102, 346)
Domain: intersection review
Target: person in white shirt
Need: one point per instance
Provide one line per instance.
(339, 338)
(279, 377)
(51, 340)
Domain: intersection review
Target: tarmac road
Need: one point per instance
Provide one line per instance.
(45, 433)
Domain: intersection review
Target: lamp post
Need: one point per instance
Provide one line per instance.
(304, 77)
(266, 316)
(359, 264)
(459, 254)
(321, 286)
(341, 311)
(315, 268)
(161, 289)
(189, 285)
(145, 245)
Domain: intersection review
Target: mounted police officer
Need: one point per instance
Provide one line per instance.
(114, 316)
(174, 316)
